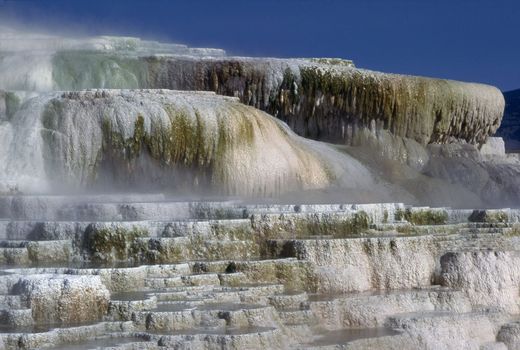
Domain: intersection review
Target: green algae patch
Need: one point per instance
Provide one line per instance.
(423, 109)
(294, 275)
(186, 144)
(312, 225)
(239, 232)
(167, 251)
(44, 251)
(114, 243)
(422, 216)
(513, 231)
(115, 145)
(195, 247)
(337, 227)
(489, 216)
(297, 276)
(406, 229)
(183, 142)
(385, 216)
(333, 61)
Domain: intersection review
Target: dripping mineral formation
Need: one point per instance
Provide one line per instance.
(105, 142)
(157, 138)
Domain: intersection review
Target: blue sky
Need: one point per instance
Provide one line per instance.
(471, 40)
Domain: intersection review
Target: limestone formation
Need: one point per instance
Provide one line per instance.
(161, 139)
(233, 275)
(332, 102)
(134, 215)
(465, 271)
(58, 299)
(397, 131)
(325, 99)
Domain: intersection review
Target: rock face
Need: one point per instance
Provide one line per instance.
(324, 99)
(356, 265)
(477, 273)
(160, 139)
(146, 272)
(494, 177)
(510, 127)
(393, 127)
(55, 299)
(131, 270)
(331, 102)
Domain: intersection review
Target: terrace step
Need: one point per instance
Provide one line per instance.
(30, 252)
(210, 279)
(337, 339)
(371, 309)
(295, 300)
(201, 275)
(297, 317)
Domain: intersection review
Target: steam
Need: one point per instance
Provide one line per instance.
(28, 61)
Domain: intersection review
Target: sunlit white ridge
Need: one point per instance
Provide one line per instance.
(16, 41)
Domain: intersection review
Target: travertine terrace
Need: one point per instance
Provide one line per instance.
(143, 272)
(156, 196)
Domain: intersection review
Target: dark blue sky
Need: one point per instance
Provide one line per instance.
(472, 40)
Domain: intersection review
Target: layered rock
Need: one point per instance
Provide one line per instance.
(331, 102)
(494, 176)
(233, 275)
(391, 125)
(161, 139)
(325, 99)
(149, 271)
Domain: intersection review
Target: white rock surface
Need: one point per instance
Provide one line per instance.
(489, 278)
(64, 299)
(361, 264)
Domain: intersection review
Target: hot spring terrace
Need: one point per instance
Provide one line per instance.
(145, 272)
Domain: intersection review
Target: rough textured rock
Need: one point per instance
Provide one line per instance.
(64, 299)
(387, 256)
(372, 309)
(363, 264)
(392, 124)
(179, 141)
(490, 279)
(494, 147)
(494, 178)
(447, 331)
(509, 334)
(330, 102)
(149, 271)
